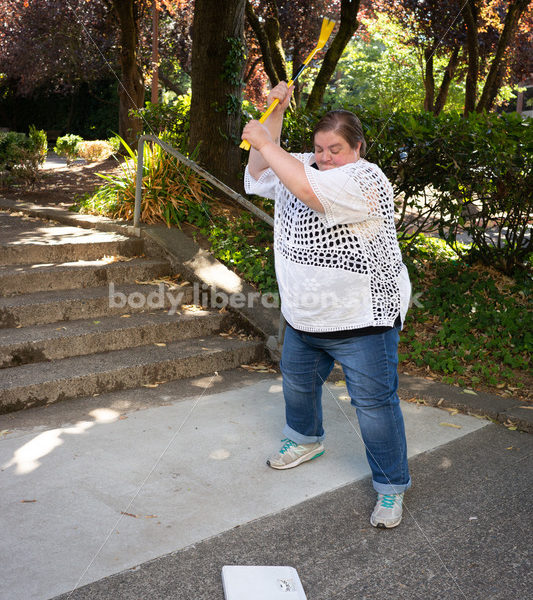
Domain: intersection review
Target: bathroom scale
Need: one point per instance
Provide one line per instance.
(261, 583)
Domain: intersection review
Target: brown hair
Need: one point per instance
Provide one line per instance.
(346, 124)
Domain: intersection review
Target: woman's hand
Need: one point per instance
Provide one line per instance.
(257, 134)
(283, 93)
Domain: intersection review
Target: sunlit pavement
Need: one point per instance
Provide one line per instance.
(103, 490)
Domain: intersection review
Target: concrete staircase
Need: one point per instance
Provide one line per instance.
(67, 332)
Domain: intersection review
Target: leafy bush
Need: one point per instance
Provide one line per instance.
(68, 146)
(39, 144)
(21, 155)
(95, 150)
(456, 175)
(114, 142)
(172, 119)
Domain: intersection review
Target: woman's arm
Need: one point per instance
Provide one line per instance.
(257, 165)
(290, 170)
(266, 152)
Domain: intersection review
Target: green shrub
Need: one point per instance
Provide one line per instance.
(21, 155)
(172, 119)
(114, 142)
(39, 144)
(456, 175)
(68, 146)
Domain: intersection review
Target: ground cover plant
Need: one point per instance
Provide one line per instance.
(470, 323)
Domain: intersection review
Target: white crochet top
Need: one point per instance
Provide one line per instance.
(341, 269)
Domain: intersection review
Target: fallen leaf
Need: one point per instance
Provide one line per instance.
(125, 316)
(150, 385)
(4, 432)
(28, 501)
(129, 514)
(159, 344)
(467, 391)
(444, 424)
(96, 322)
(452, 411)
(527, 407)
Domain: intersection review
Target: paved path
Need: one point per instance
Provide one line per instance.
(146, 494)
(96, 488)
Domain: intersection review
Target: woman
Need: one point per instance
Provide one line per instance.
(344, 291)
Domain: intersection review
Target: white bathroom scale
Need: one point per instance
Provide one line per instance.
(261, 583)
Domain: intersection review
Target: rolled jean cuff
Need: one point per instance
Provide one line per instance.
(293, 435)
(391, 488)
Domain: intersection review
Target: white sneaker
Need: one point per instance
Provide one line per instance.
(293, 454)
(388, 511)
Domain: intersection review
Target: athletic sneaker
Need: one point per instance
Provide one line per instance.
(293, 454)
(388, 511)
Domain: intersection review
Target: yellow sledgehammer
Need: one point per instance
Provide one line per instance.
(325, 32)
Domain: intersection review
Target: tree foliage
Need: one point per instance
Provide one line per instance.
(285, 32)
(56, 44)
(478, 39)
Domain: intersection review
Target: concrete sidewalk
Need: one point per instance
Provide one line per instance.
(92, 489)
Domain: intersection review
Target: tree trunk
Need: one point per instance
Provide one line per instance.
(264, 44)
(348, 26)
(296, 64)
(276, 47)
(497, 67)
(131, 88)
(429, 80)
(472, 44)
(449, 74)
(216, 83)
(155, 54)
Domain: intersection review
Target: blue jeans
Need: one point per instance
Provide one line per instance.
(370, 365)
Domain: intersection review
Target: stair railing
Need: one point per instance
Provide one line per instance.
(218, 184)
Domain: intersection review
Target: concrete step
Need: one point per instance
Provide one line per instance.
(44, 383)
(33, 252)
(25, 279)
(87, 336)
(27, 240)
(68, 305)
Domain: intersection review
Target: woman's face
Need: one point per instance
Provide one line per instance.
(332, 150)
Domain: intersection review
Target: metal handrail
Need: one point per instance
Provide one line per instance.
(212, 179)
(195, 167)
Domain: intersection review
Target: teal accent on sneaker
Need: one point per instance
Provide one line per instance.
(292, 454)
(388, 511)
(388, 500)
(286, 445)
